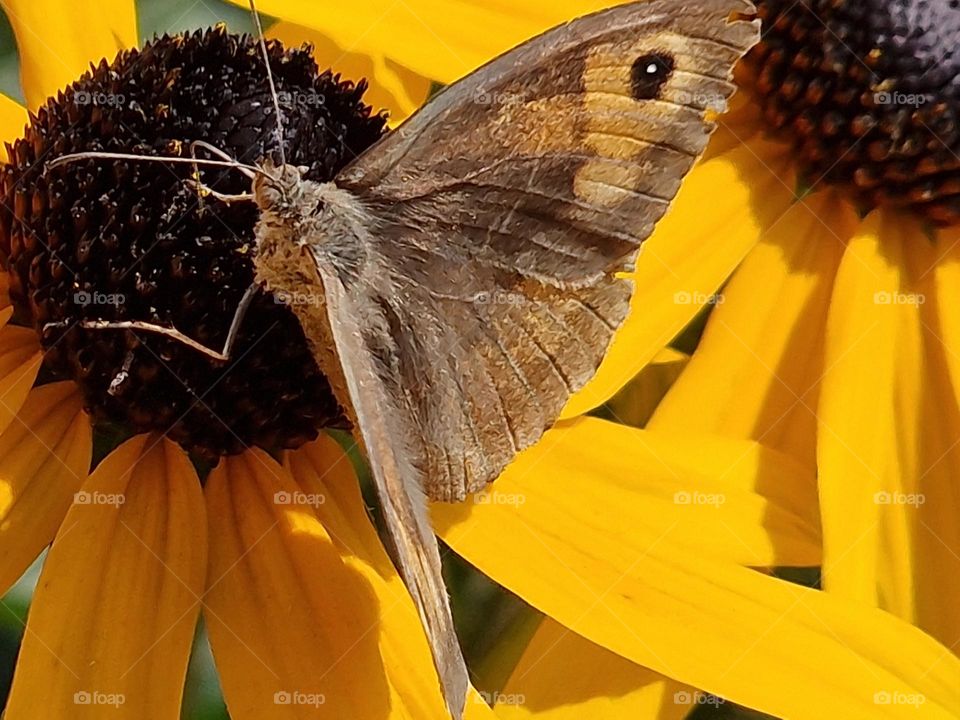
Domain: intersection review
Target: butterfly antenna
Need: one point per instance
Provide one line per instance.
(248, 170)
(273, 86)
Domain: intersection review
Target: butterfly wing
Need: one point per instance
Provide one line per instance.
(506, 209)
(500, 216)
(358, 337)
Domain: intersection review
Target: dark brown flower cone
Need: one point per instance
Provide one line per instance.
(109, 240)
(869, 92)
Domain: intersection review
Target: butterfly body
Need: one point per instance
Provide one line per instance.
(303, 223)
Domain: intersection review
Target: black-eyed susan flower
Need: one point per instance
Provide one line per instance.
(837, 340)
(305, 613)
(815, 425)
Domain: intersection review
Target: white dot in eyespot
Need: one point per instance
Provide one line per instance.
(652, 69)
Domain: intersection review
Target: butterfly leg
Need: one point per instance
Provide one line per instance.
(205, 191)
(171, 332)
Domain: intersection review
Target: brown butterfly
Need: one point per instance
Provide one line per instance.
(470, 263)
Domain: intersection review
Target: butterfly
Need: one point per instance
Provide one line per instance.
(469, 267)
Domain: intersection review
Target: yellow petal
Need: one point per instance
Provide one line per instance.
(697, 491)
(13, 119)
(946, 279)
(636, 403)
(290, 625)
(20, 359)
(890, 433)
(392, 87)
(561, 676)
(685, 611)
(45, 459)
(937, 565)
(866, 351)
(440, 39)
(695, 248)
(111, 624)
(58, 40)
(322, 469)
(755, 374)
(295, 628)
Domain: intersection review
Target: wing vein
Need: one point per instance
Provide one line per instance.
(628, 191)
(593, 311)
(550, 359)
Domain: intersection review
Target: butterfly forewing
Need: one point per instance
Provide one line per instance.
(505, 209)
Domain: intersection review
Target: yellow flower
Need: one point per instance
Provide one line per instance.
(825, 385)
(836, 341)
(305, 612)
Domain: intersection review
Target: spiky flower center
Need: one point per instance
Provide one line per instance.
(869, 93)
(122, 240)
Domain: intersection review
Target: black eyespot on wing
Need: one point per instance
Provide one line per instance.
(649, 74)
